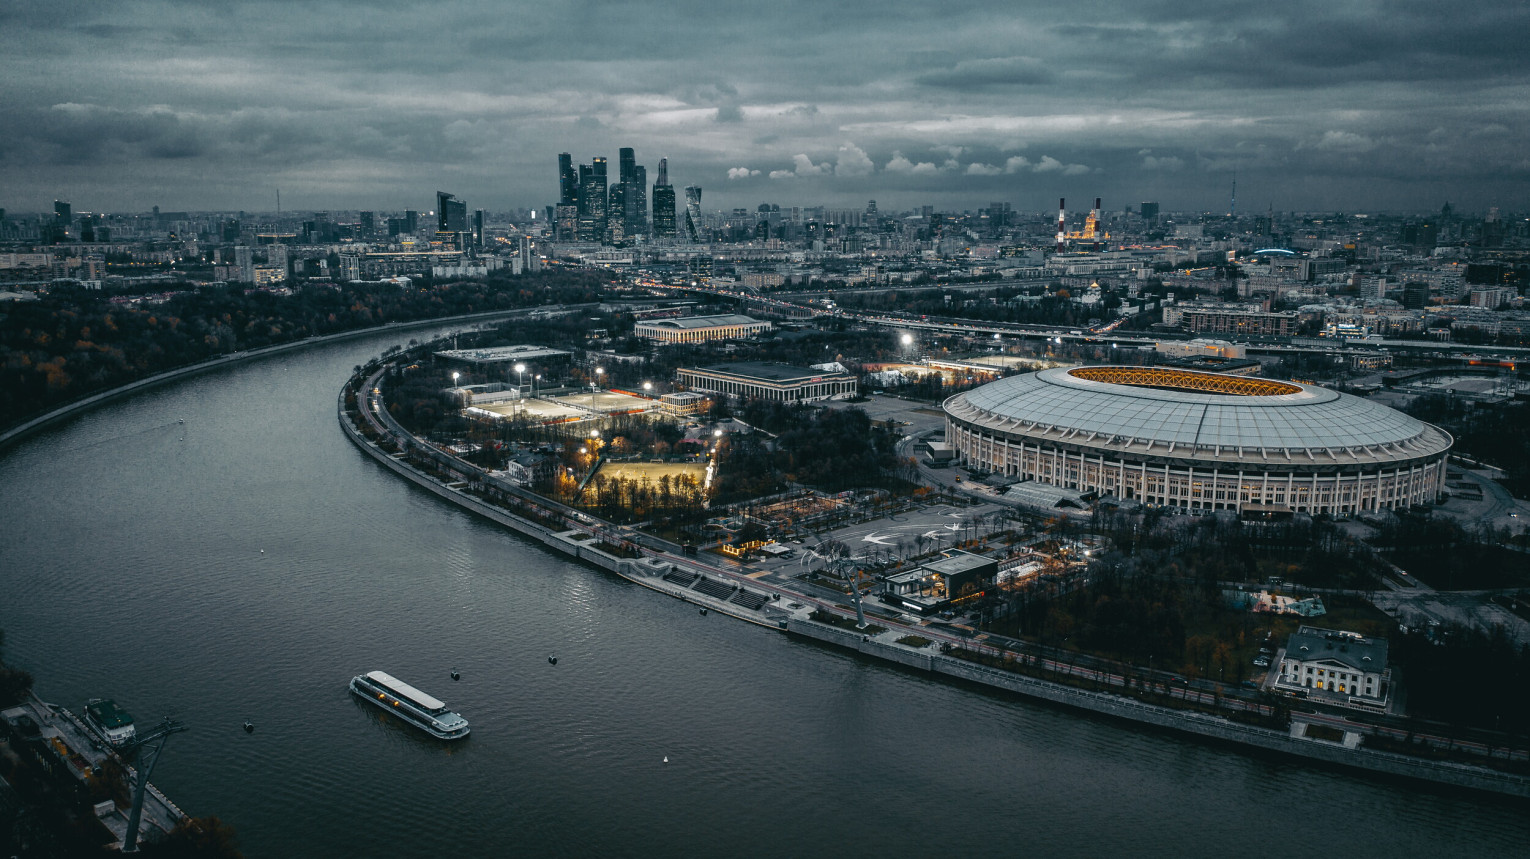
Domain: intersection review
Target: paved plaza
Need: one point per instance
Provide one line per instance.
(916, 417)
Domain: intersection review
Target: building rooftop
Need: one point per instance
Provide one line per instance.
(691, 322)
(958, 562)
(771, 372)
(1346, 648)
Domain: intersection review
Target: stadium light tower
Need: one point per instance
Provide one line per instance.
(157, 735)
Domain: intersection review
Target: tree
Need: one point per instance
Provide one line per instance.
(15, 684)
(197, 838)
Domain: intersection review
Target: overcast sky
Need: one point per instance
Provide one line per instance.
(214, 104)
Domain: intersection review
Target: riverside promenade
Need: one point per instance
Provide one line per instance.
(712, 588)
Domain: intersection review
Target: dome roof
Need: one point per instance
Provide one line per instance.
(1192, 410)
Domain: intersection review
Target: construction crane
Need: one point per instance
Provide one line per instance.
(146, 761)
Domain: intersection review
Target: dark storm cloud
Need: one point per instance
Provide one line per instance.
(374, 104)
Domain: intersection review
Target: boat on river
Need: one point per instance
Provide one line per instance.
(409, 704)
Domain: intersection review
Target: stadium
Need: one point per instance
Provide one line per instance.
(1200, 441)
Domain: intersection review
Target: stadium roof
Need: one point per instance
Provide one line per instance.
(1193, 411)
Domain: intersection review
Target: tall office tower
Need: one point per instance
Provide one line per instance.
(1150, 212)
(592, 200)
(626, 159)
(368, 224)
(478, 228)
(244, 257)
(693, 212)
(63, 213)
(568, 181)
(616, 223)
(636, 198)
(451, 213)
(663, 203)
(565, 222)
(411, 221)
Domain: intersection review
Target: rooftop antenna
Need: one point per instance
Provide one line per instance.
(1232, 207)
(278, 202)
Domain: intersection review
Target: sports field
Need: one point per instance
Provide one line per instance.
(651, 470)
(608, 402)
(535, 409)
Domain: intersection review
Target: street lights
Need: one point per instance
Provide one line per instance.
(520, 373)
(599, 371)
(647, 387)
(455, 392)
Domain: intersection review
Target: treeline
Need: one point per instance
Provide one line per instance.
(15, 683)
(74, 342)
(1467, 677)
(997, 305)
(828, 449)
(678, 495)
(1158, 595)
(1491, 433)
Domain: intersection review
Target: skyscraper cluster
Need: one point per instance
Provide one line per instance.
(590, 209)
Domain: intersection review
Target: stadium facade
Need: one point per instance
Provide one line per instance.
(1200, 441)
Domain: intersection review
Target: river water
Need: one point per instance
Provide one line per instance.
(246, 564)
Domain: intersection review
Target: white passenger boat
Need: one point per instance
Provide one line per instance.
(110, 721)
(409, 704)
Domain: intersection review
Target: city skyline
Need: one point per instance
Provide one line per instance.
(1320, 107)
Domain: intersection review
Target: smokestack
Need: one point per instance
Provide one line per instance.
(1062, 223)
(1096, 211)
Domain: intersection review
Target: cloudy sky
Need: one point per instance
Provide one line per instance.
(215, 104)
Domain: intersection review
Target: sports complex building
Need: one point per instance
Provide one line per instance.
(1197, 440)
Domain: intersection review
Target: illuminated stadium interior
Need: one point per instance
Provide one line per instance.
(1169, 379)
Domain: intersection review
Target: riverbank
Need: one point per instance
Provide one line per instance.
(29, 427)
(711, 588)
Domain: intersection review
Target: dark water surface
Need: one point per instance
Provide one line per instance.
(131, 567)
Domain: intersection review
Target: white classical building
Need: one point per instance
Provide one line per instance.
(1337, 666)
(695, 329)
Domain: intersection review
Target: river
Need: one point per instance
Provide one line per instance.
(245, 564)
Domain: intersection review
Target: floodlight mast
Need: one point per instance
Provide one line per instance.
(156, 735)
(848, 568)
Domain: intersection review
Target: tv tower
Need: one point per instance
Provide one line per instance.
(1062, 224)
(1232, 207)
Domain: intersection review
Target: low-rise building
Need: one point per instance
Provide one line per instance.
(756, 380)
(1336, 666)
(953, 579)
(684, 403)
(696, 329)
